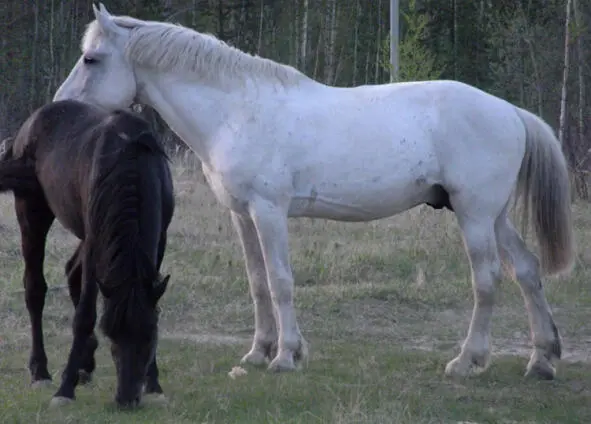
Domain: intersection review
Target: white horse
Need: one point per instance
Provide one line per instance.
(276, 144)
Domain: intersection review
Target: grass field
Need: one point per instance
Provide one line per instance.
(384, 306)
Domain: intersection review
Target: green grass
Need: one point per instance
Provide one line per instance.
(384, 306)
(346, 382)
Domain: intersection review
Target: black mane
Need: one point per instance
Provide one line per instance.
(122, 185)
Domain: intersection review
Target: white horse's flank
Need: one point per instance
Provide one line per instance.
(276, 144)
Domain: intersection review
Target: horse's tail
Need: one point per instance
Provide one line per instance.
(545, 186)
(16, 174)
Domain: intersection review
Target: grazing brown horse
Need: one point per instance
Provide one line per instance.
(106, 178)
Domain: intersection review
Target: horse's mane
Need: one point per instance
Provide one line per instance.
(174, 48)
(123, 267)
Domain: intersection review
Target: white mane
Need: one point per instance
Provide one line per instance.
(173, 48)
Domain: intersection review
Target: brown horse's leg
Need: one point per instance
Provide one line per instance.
(152, 384)
(74, 274)
(82, 328)
(35, 219)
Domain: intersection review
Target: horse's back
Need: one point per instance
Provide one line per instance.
(72, 143)
(56, 125)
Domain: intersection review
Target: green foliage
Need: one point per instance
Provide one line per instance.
(416, 61)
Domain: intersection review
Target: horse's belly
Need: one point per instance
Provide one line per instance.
(67, 209)
(362, 204)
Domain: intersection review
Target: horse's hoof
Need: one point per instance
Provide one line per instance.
(84, 377)
(155, 399)
(59, 401)
(540, 369)
(457, 368)
(460, 367)
(282, 363)
(541, 372)
(255, 358)
(41, 384)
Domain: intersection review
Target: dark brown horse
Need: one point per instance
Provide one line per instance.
(106, 178)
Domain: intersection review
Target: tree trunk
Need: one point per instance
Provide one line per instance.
(455, 38)
(356, 41)
(33, 77)
(221, 21)
(378, 43)
(537, 76)
(51, 71)
(582, 189)
(329, 41)
(566, 69)
(261, 20)
(581, 74)
(304, 38)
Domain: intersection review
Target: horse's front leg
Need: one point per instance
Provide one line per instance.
(83, 327)
(73, 271)
(270, 221)
(152, 385)
(264, 345)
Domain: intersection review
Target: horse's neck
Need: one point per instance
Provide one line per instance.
(203, 115)
(194, 112)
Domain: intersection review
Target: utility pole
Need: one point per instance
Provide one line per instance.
(394, 33)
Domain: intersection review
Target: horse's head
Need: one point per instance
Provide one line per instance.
(131, 323)
(103, 75)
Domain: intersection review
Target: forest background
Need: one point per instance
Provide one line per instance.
(533, 53)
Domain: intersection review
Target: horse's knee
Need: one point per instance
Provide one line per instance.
(84, 322)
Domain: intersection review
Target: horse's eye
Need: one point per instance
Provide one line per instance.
(89, 60)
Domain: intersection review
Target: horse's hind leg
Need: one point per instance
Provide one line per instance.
(526, 268)
(73, 271)
(35, 219)
(480, 242)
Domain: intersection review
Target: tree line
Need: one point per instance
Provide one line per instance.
(533, 53)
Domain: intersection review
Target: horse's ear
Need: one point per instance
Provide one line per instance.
(103, 9)
(160, 288)
(105, 20)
